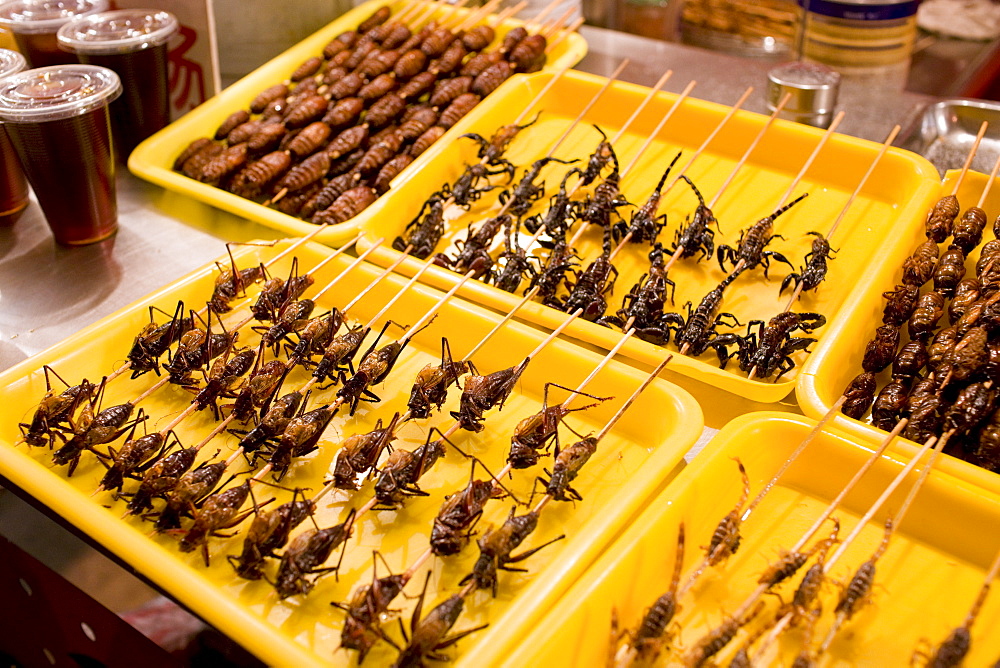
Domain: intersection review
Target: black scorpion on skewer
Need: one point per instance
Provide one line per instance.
(697, 331)
(425, 231)
(770, 348)
(492, 150)
(644, 303)
(560, 213)
(590, 287)
(698, 235)
(553, 274)
(520, 200)
(516, 265)
(813, 271)
(645, 225)
(750, 251)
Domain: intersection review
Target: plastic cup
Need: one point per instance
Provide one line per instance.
(34, 24)
(13, 186)
(58, 121)
(133, 43)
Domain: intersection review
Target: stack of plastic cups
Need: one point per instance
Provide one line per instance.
(57, 119)
(35, 23)
(133, 43)
(13, 186)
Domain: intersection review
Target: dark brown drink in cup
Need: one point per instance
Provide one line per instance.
(133, 43)
(36, 22)
(58, 121)
(13, 186)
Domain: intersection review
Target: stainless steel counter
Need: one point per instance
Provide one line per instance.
(48, 292)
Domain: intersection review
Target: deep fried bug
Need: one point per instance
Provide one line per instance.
(105, 427)
(308, 68)
(305, 111)
(416, 123)
(267, 96)
(344, 112)
(259, 389)
(496, 547)
(950, 270)
(403, 469)
(268, 532)
(533, 434)
(223, 164)
(256, 176)
(971, 407)
(196, 146)
(490, 79)
(881, 350)
(553, 273)
(390, 171)
(697, 332)
(446, 90)
(698, 235)
(385, 110)
(968, 230)
(56, 410)
(193, 167)
(346, 86)
(418, 84)
(919, 267)
(430, 387)
(222, 377)
(750, 251)
(813, 272)
(410, 64)
(347, 141)
(901, 302)
(377, 87)
(424, 141)
(148, 347)
(219, 511)
(345, 207)
(771, 347)
(589, 287)
(378, 63)
(160, 478)
(339, 353)
(478, 37)
(458, 108)
(455, 521)
(306, 555)
(526, 192)
(267, 137)
(430, 635)
(450, 60)
(232, 121)
(645, 224)
(299, 438)
(930, 308)
(292, 317)
(643, 305)
(307, 172)
(966, 294)
(860, 394)
(187, 495)
(482, 393)
(244, 132)
(568, 463)
(377, 18)
(134, 457)
(273, 422)
(910, 360)
(478, 63)
(357, 56)
(473, 251)
(310, 139)
(967, 357)
(940, 218)
(437, 42)
(516, 265)
(527, 51)
(364, 612)
(379, 154)
(890, 403)
(424, 231)
(375, 366)
(359, 454)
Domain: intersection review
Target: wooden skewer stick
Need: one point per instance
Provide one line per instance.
(419, 17)
(746, 154)
(537, 20)
(539, 95)
(548, 30)
(989, 184)
(508, 12)
(969, 158)
(566, 32)
(785, 198)
(477, 15)
(587, 107)
(361, 258)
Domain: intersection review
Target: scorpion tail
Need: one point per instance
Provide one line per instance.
(789, 205)
(663, 179)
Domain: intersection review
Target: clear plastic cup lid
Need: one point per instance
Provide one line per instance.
(57, 92)
(122, 31)
(45, 16)
(11, 62)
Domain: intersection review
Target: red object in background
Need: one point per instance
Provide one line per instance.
(187, 78)
(45, 620)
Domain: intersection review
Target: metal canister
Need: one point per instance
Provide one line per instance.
(813, 89)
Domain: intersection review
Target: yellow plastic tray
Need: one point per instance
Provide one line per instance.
(895, 196)
(925, 582)
(837, 359)
(632, 464)
(153, 159)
